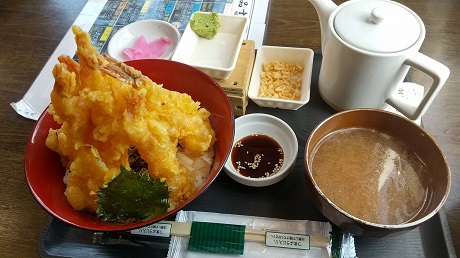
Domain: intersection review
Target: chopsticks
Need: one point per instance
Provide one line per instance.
(184, 229)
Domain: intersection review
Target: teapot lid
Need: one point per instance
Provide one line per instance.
(378, 26)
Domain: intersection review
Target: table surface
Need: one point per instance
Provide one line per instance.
(31, 30)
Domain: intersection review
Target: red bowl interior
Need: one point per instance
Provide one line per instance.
(44, 172)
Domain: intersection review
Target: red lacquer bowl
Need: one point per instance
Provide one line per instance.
(44, 172)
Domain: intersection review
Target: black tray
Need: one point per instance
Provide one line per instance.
(287, 199)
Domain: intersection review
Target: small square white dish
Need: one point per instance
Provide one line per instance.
(303, 56)
(216, 57)
(152, 30)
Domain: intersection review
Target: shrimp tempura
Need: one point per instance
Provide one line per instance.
(104, 107)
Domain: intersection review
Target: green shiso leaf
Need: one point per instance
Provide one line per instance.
(132, 196)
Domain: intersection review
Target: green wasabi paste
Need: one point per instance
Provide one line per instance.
(205, 25)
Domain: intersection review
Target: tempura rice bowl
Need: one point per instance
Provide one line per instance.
(44, 172)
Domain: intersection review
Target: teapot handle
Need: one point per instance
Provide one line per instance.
(432, 68)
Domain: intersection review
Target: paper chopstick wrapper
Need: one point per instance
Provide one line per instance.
(257, 229)
(228, 238)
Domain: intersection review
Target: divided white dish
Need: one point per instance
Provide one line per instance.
(216, 57)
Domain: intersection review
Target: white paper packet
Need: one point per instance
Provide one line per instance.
(178, 245)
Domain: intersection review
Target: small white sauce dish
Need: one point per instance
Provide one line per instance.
(273, 127)
(216, 57)
(152, 30)
(302, 56)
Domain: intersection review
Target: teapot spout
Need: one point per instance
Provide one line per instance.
(324, 8)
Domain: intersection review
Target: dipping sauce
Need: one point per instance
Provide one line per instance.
(257, 156)
(370, 175)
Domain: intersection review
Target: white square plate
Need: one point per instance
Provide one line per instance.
(283, 54)
(216, 57)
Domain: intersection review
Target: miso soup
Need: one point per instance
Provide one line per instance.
(370, 175)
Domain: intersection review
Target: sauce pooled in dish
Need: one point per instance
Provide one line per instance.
(257, 156)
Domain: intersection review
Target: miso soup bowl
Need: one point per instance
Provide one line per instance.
(410, 134)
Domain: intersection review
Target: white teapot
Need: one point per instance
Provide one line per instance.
(368, 47)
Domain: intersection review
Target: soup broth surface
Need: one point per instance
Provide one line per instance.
(370, 175)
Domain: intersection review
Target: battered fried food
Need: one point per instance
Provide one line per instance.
(104, 107)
